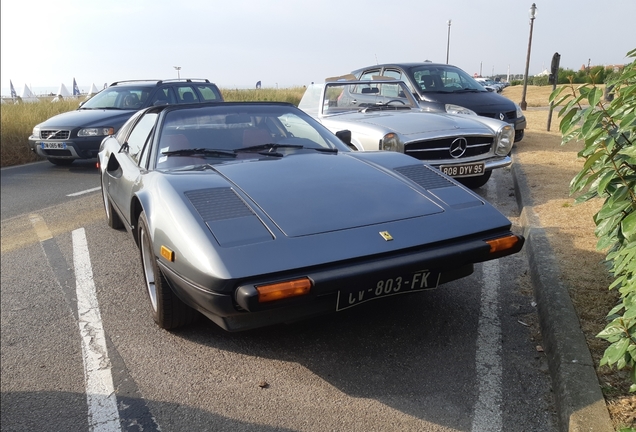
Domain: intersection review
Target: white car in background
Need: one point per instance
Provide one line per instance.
(382, 114)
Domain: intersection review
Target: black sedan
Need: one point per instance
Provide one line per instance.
(240, 220)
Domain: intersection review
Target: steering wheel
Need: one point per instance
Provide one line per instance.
(395, 100)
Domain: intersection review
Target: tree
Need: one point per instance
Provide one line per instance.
(608, 134)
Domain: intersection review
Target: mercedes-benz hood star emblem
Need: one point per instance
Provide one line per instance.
(458, 147)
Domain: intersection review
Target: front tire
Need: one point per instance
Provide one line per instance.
(475, 182)
(60, 162)
(168, 311)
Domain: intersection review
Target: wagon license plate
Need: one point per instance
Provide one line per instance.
(464, 170)
(53, 145)
(418, 281)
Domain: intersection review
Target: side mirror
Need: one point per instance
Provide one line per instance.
(345, 136)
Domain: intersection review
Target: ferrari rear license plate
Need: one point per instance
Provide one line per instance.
(53, 145)
(465, 170)
(418, 281)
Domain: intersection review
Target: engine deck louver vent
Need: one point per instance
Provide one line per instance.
(424, 176)
(218, 204)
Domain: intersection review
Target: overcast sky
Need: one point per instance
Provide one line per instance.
(285, 43)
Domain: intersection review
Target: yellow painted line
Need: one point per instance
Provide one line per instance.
(41, 230)
(26, 230)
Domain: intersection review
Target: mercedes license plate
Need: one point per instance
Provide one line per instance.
(464, 170)
(53, 145)
(418, 281)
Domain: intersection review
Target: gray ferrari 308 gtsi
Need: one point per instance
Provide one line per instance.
(254, 213)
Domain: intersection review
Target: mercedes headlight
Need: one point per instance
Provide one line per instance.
(87, 132)
(390, 142)
(505, 140)
(457, 109)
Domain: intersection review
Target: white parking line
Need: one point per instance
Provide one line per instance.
(103, 415)
(84, 192)
(488, 413)
(488, 363)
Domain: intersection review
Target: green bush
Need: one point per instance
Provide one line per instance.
(608, 134)
(567, 76)
(540, 81)
(596, 75)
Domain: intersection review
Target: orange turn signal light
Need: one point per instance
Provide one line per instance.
(167, 253)
(282, 290)
(503, 243)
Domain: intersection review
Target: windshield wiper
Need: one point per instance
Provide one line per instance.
(382, 107)
(269, 147)
(325, 150)
(468, 90)
(200, 151)
(202, 167)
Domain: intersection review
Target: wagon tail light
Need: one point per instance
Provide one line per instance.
(506, 245)
(283, 290)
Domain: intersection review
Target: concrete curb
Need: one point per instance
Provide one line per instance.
(579, 401)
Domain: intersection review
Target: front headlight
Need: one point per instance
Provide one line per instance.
(505, 140)
(36, 132)
(457, 109)
(519, 112)
(390, 142)
(95, 132)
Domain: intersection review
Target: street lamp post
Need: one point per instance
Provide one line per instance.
(533, 13)
(178, 68)
(448, 40)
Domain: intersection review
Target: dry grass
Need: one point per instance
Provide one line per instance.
(291, 95)
(549, 167)
(16, 124)
(536, 96)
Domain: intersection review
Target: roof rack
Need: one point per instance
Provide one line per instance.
(158, 82)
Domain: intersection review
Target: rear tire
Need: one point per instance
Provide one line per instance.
(168, 311)
(60, 162)
(475, 182)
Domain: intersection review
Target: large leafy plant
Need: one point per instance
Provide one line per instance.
(608, 133)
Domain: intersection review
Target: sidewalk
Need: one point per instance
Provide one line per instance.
(579, 401)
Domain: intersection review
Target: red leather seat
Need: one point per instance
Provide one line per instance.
(171, 143)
